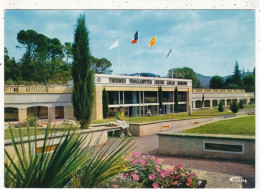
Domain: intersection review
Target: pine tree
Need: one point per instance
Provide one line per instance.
(220, 107)
(160, 97)
(82, 74)
(234, 106)
(237, 74)
(105, 103)
(176, 105)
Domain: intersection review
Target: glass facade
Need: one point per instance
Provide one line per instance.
(150, 97)
(137, 103)
(167, 97)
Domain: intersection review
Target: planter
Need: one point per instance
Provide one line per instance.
(202, 183)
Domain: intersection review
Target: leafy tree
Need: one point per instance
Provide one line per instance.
(220, 107)
(55, 49)
(248, 83)
(160, 97)
(185, 73)
(216, 82)
(234, 106)
(11, 69)
(105, 103)
(83, 75)
(101, 66)
(254, 71)
(241, 104)
(67, 48)
(176, 105)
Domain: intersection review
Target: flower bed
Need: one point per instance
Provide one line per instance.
(149, 172)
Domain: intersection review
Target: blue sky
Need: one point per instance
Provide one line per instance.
(208, 41)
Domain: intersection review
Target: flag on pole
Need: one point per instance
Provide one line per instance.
(169, 53)
(134, 40)
(114, 45)
(152, 42)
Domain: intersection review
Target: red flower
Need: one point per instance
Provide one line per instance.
(189, 179)
(188, 183)
(174, 183)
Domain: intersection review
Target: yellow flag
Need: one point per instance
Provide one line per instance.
(152, 42)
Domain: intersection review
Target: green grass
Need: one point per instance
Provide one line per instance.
(249, 106)
(205, 112)
(39, 131)
(237, 126)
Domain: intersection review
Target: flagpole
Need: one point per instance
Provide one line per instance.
(138, 53)
(118, 53)
(171, 63)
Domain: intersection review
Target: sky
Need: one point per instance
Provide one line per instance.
(208, 41)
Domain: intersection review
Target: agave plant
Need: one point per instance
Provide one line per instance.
(29, 169)
(103, 163)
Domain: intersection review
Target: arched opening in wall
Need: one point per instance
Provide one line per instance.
(207, 103)
(40, 111)
(11, 114)
(223, 102)
(198, 104)
(244, 101)
(252, 100)
(215, 103)
(59, 112)
(228, 102)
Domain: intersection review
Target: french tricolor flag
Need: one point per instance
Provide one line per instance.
(134, 40)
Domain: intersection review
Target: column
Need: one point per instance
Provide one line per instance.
(193, 104)
(225, 102)
(68, 112)
(134, 101)
(97, 111)
(210, 103)
(22, 114)
(51, 113)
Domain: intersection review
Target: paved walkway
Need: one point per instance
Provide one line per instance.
(216, 172)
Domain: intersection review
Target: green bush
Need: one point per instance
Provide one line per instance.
(234, 106)
(220, 107)
(31, 121)
(241, 104)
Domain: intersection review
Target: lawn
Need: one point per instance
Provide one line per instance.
(39, 131)
(237, 126)
(205, 112)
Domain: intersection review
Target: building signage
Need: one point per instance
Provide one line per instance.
(142, 81)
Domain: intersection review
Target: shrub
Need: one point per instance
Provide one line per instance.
(241, 104)
(234, 106)
(220, 107)
(31, 121)
(149, 171)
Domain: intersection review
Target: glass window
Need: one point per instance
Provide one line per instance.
(112, 112)
(131, 97)
(112, 97)
(182, 96)
(134, 111)
(150, 97)
(121, 97)
(59, 112)
(167, 96)
(182, 108)
(11, 114)
(40, 111)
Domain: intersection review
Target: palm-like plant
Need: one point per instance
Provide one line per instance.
(104, 164)
(55, 169)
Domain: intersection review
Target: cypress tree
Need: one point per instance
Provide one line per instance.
(82, 74)
(220, 107)
(202, 101)
(160, 97)
(176, 105)
(105, 103)
(234, 106)
(241, 104)
(236, 75)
